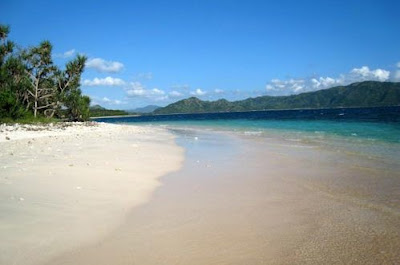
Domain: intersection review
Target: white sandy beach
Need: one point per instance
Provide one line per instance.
(66, 186)
(87, 194)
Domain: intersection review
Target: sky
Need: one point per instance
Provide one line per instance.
(158, 52)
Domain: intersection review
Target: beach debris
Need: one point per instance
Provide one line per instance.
(88, 164)
(78, 188)
(71, 165)
(118, 169)
(21, 199)
(11, 153)
(8, 138)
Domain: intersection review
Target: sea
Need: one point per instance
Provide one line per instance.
(337, 170)
(368, 132)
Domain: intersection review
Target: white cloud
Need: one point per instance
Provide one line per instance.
(104, 66)
(398, 65)
(218, 91)
(294, 85)
(106, 101)
(112, 101)
(175, 94)
(156, 91)
(69, 53)
(364, 73)
(107, 81)
(324, 82)
(198, 92)
(136, 89)
(66, 54)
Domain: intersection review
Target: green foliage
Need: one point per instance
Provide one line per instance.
(31, 85)
(363, 94)
(10, 106)
(77, 106)
(97, 112)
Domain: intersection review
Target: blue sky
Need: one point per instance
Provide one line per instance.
(157, 52)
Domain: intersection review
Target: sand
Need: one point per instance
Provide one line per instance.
(252, 201)
(235, 200)
(64, 186)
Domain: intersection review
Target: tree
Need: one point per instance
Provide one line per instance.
(68, 83)
(77, 105)
(11, 78)
(31, 82)
(40, 71)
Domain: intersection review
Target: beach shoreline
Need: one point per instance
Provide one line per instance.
(69, 184)
(244, 200)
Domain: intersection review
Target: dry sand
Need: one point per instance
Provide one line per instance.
(63, 186)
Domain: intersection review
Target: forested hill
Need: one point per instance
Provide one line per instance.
(363, 94)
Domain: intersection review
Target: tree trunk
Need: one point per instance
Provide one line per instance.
(35, 108)
(36, 98)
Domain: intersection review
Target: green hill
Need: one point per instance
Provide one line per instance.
(99, 111)
(363, 94)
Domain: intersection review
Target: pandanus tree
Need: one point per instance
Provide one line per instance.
(30, 81)
(40, 73)
(68, 82)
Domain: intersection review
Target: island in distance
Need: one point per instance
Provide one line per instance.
(362, 94)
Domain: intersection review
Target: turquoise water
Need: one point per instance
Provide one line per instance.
(371, 124)
(366, 132)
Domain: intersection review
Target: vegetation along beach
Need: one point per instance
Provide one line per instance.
(183, 132)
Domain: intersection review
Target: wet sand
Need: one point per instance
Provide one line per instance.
(255, 201)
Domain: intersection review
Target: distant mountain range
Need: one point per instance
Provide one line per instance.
(147, 109)
(362, 94)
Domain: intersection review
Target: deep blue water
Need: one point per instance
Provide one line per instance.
(370, 124)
